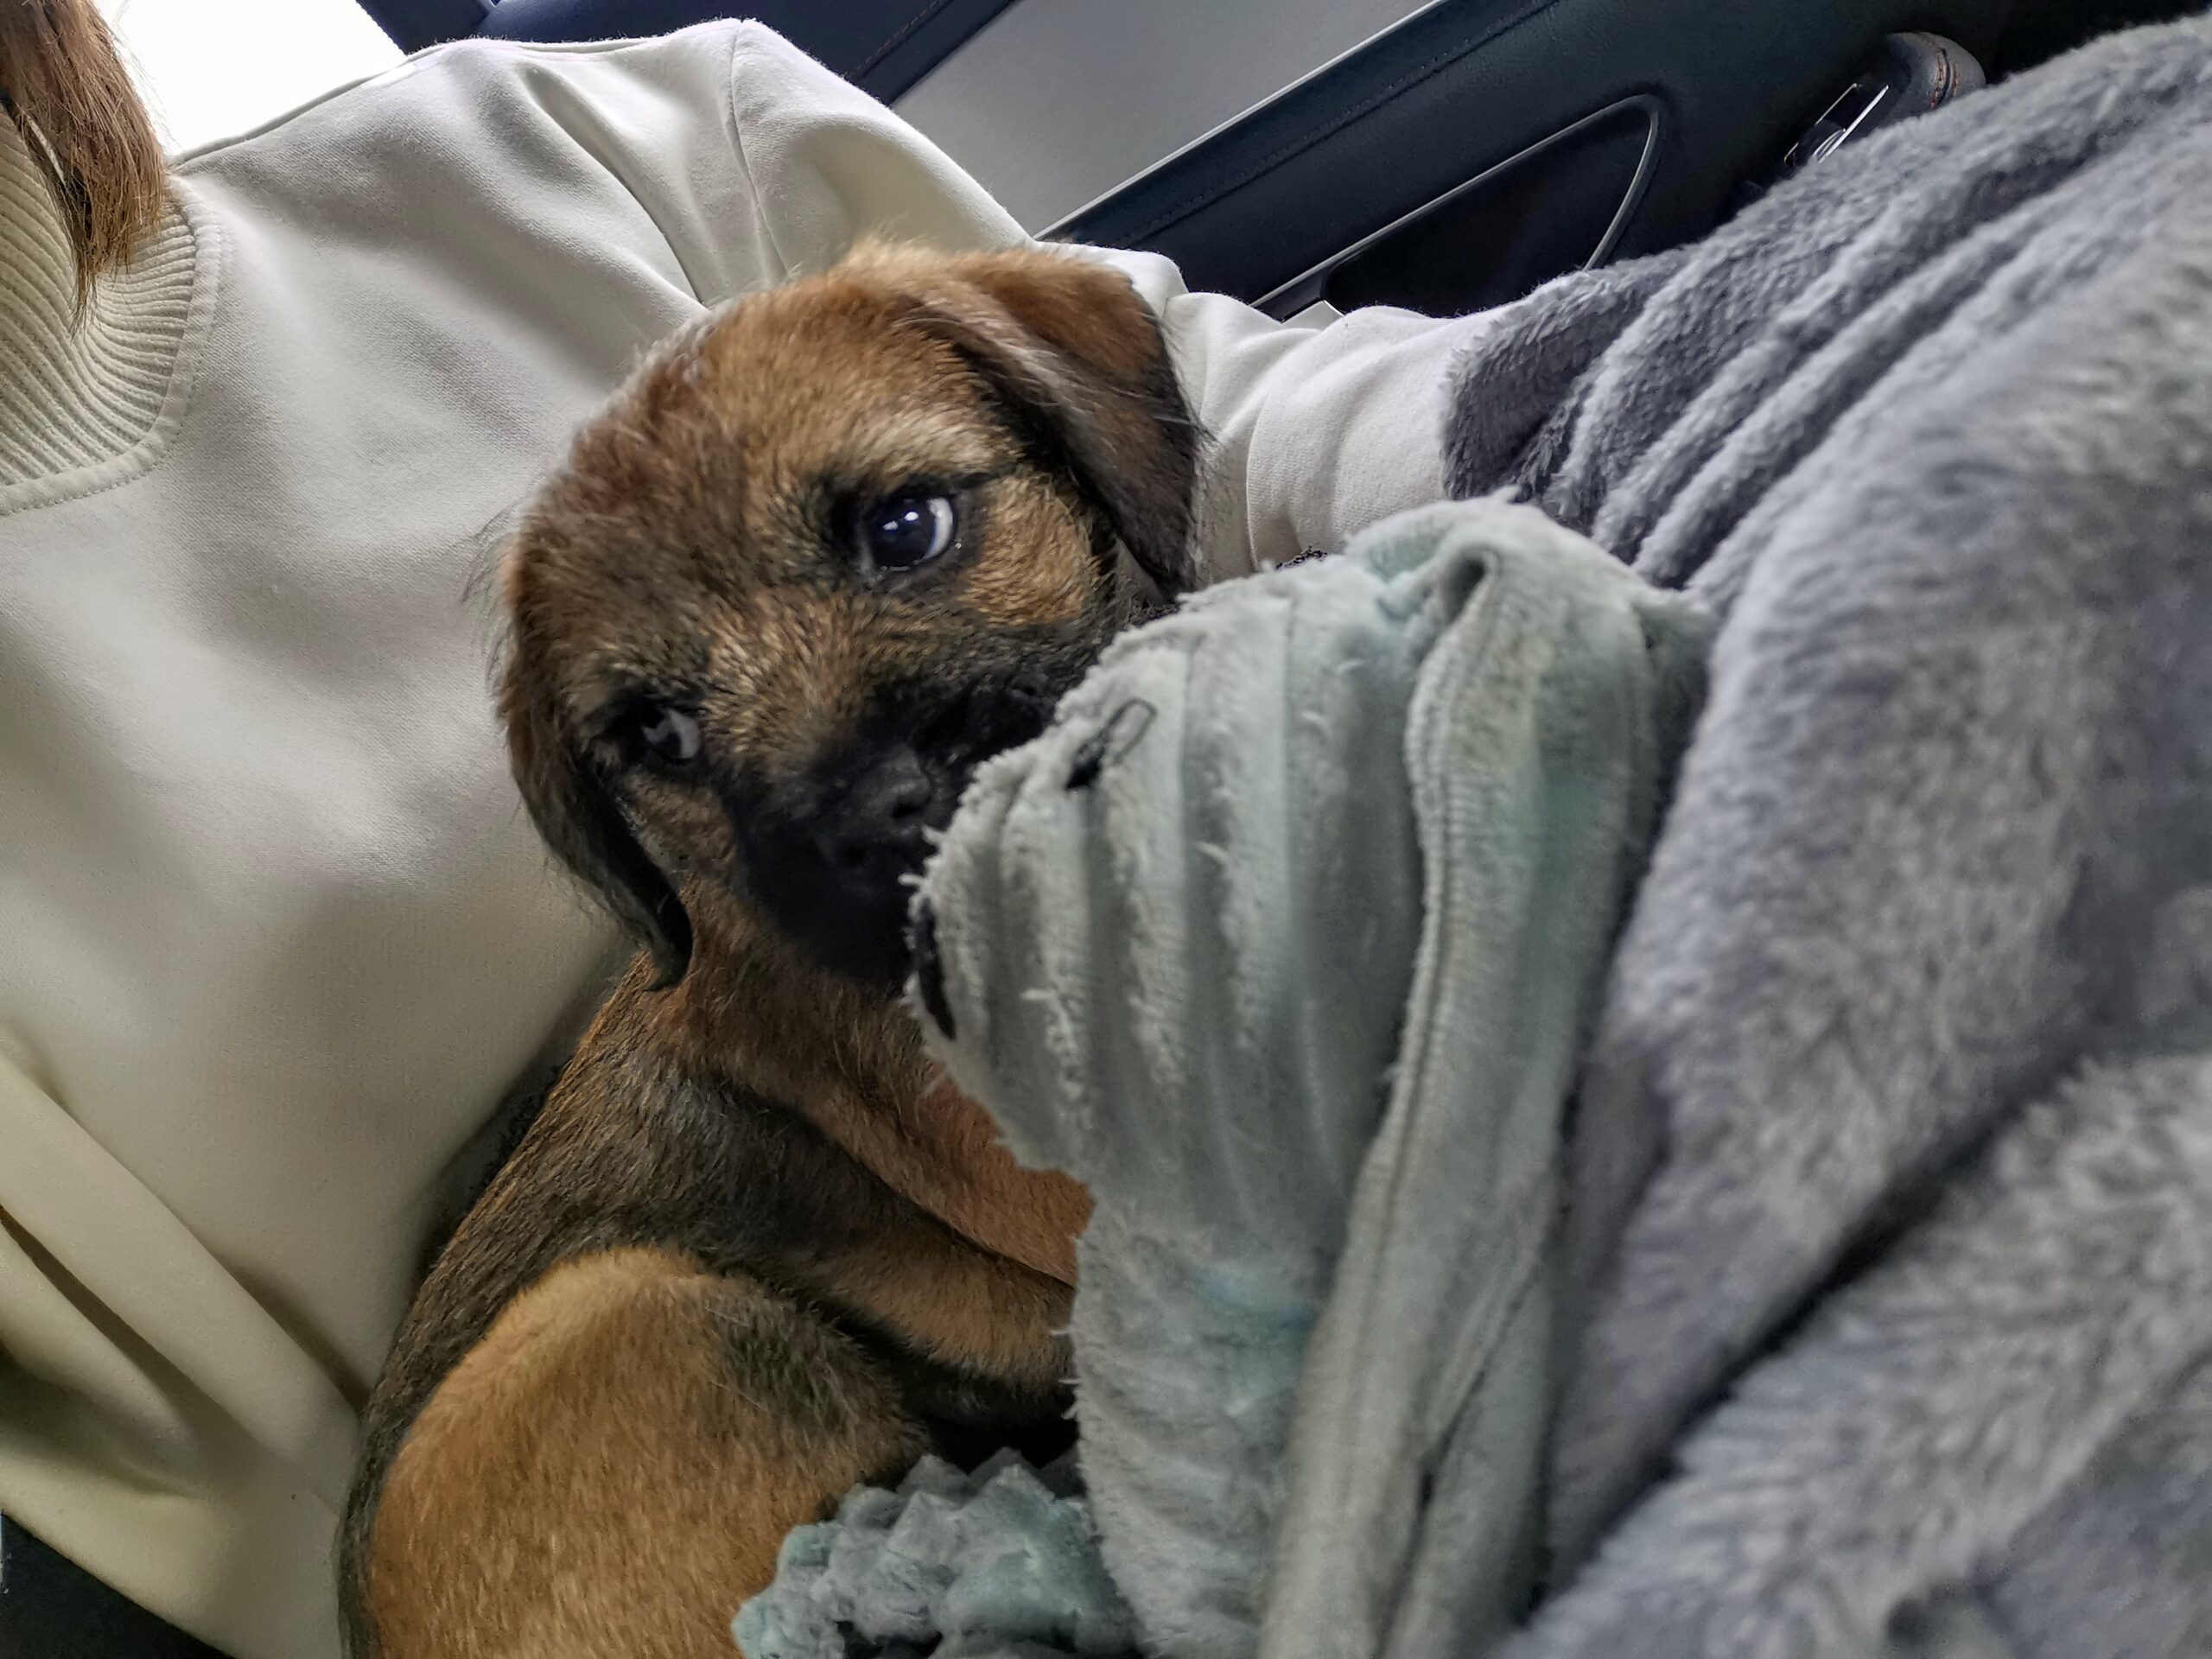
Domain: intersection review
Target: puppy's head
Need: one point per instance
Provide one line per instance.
(823, 555)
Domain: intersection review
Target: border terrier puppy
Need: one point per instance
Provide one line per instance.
(827, 551)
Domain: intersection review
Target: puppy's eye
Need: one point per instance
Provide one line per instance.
(659, 734)
(908, 529)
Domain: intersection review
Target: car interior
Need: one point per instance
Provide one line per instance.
(1312, 156)
(1445, 156)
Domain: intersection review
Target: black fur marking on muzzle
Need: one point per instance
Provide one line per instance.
(832, 858)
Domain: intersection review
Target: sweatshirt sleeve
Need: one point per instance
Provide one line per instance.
(829, 164)
(1314, 432)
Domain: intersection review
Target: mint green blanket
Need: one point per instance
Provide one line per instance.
(1283, 939)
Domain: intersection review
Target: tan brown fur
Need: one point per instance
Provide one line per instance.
(871, 1090)
(754, 1247)
(629, 1352)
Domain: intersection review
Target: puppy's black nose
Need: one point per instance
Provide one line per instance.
(875, 826)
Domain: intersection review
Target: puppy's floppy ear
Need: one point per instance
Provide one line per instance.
(1078, 359)
(574, 806)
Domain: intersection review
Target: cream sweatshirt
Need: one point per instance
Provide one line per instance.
(275, 937)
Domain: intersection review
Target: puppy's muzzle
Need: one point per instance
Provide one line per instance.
(833, 859)
(875, 832)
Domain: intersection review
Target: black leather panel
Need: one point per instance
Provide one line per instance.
(413, 24)
(1557, 207)
(51, 1609)
(1466, 85)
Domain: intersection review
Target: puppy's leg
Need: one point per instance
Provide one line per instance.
(610, 1471)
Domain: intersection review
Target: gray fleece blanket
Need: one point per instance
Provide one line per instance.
(1883, 1313)
(1891, 1180)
